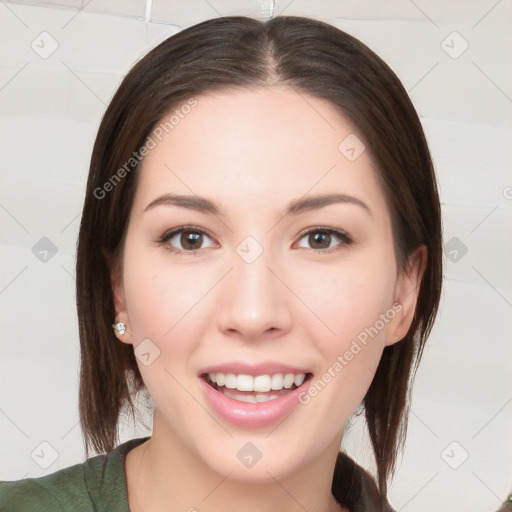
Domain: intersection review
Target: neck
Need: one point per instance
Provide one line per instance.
(162, 474)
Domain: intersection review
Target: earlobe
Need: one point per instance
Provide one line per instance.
(406, 294)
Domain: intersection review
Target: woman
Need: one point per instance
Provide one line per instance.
(262, 231)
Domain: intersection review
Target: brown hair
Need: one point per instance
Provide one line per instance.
(239, 52)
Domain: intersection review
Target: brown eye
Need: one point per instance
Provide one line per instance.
(186, 240)
(319, 240)
(324, 239)
(190, 240)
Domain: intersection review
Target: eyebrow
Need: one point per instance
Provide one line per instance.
(295, 207)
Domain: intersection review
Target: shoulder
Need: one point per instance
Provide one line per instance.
(98, 484)
(55, 492)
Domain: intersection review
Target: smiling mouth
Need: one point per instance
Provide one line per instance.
(256, 396)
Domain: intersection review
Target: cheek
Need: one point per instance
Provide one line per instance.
(349, 298)
(160, 302)
(352, 305)
(158, 294)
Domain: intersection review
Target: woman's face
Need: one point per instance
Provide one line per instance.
(266, 278)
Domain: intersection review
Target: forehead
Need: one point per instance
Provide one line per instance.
(260, 120)
(257, 144)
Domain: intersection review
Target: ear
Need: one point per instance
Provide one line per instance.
(116, 280)
(406, 296)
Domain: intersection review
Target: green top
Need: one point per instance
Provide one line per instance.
(99, 485)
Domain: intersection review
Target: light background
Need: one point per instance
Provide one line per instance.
(51, 106)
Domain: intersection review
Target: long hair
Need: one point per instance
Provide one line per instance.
(236, 53)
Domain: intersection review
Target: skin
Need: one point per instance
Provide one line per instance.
(253, 152)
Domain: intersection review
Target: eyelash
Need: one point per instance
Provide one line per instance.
(345, 238)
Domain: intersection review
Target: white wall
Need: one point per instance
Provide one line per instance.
(50, 108)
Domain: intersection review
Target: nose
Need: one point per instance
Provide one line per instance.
(254, 302)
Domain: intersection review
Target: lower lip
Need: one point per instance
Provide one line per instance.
(250, 415)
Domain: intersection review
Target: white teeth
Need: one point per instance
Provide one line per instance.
(230, 380)
(288, 380)
(277, 381)
(245, 383)
(299, 379)
(251, 399)
(260, 383)
(266, 397)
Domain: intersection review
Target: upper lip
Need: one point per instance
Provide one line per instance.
(265, 368)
